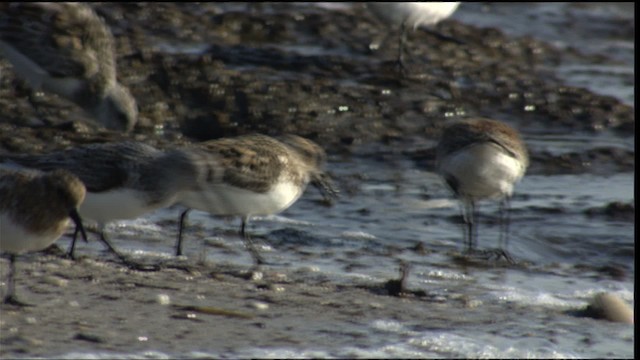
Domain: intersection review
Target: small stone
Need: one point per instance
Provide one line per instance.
(55, 281)
(611, 307)
(260, 305)
(163, 299)
(257, 275)
(65, 263)
(472, 304)
(89, 338)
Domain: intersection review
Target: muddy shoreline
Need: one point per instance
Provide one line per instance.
(101, 306)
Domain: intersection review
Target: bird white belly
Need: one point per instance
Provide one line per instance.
(483, 171)
(230, 200)
(15, 239)
(414, 13)
(118, 205)
(429, 13)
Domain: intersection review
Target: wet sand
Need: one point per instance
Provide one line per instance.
(95, 305)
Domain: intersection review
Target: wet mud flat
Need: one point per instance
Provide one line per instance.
(202, 71)
(185, 307)
(98, 306)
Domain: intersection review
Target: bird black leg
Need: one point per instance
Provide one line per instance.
(183, 218)
(249, 243)
(10, 298)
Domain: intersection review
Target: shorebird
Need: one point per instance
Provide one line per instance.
(253, 175)
(405, 15)
(35, 208)
(482, 159)
(124, 180)
(68, 50)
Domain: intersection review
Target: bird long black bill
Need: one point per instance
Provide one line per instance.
(248, 243)
(326, 187)
(183, 218)
(76, 219)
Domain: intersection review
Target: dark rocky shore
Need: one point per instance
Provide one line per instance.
(199, 73)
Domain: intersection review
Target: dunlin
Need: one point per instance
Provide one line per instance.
(124, 180)
(35, 208)
(482, 159)
(66, 49)
(405, 15)
(253, 175)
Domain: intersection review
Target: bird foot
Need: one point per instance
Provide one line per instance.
(12, 300)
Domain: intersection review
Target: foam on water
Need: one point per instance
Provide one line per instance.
(115, 356)
(459, 346)
(281, 219)
(358, 235)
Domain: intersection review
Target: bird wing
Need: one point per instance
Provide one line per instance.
(246, 162)
(101, 167)
(64, 39)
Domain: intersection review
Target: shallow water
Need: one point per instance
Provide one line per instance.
(604, 30)
(389, 207)
(362, 238)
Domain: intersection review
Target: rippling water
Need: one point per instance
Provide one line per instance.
(396, 205)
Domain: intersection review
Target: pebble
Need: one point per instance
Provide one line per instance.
(257, 275)
(65, 263)
(259, 305)
(51, 266)
(163, 299)
(473, 303)
(90, 262)
(55, 281)
(612, 308)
